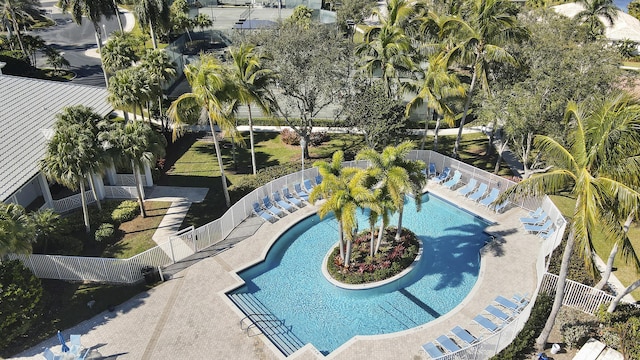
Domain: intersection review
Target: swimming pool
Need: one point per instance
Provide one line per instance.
(291, 285)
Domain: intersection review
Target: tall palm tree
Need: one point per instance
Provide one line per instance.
(344, 191)
(209, 91)
(46, 223)
(435, 88)
(74, 152)
(154, 14)
(133, 87)
(16, 230)
(593, 11)
(478, 41)
(397, 175)
(161, 69)
(135, 143)
(118, 53)
(251, 80)
(15, 11)
(600, 167)
(94, 10)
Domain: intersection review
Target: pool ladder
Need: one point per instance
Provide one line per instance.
(259, 317)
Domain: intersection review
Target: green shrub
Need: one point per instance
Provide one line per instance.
(576, 334)
(629, 333)
(247, 184)
(105, 232)
(524, 342)
(126, 211)
(20, 296)
(623, 313)
(290, 137)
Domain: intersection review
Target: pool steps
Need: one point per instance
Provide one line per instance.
(258, 316)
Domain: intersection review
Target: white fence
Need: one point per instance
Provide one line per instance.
(125, 179)
(121, 192)
(189, 241)
(72, 202)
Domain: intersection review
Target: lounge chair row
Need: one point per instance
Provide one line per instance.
(471, 190)
(502, 311)
(538, 223)
(275, 207)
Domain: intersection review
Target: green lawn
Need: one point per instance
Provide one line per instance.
(625, 273)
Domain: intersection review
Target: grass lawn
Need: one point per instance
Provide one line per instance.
(625, 273)
(192, 162)
(138, 233)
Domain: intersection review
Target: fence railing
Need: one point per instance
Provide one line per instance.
(125, 179)
(120, 192)
(72, 202)
(188, 241)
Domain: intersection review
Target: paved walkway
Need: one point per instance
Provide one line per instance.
(190, 317)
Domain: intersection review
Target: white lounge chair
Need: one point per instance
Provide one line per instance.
(536, 229)
(290, 198)
(447, 343)
(264, 214)
(493, 195)
(464, 335)
(486, 323)
(283, 204)
(433, 350)
(272, 208)
(480, 192)
(302, 194)
(449, 184)
(443, 175)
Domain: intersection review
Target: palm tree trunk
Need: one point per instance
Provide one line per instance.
(426, 127)
(95, 193)
(341, 242)
(348, 254)
(141, 111)
(373, 241)
(503, 146)
(616, 301)
(220, 164)
(612, 255)
(435, 133)
(96, 29)
(399, 232)
(541, 341)
(380, 232)
(154, 42)
(16, 28)
(253, 150)
(467, 103)
(607, 272)
(85, 209)
(136, 175)
(115, 6)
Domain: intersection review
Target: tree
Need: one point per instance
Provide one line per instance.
(344, 191)
(250, 80)
(16, 11)
(16, 230)
(437, 87)
(21, 299)
(153, 14)
(310, 69)
(31, 45)
(209, 92)
(161, 68)
(55, 59)
(46, 224)
(135, 143)
(370, 109)
(354, 10)
(301, 17)
(74, 153)
(94, 10)
(593, 10)
(599, 167)
(397, 175)
(478, 39)
(634, 9)
(119, 53)
(132, 86)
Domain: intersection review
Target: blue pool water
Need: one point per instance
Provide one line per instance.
(290, 283)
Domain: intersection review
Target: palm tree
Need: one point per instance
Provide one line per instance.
(137, 144)
(74, 152)
(46, 224)
(118, 53)
(55, 59)
(161, 69)
(209, 92)
(16, 230)
(15, 11)
(397, 175)
(478, 41)
(344, 191)
(94, 10)
(154, 14)
(599, 166)
(250, 80)
(131, 87)
(435, 88)
(593, 10)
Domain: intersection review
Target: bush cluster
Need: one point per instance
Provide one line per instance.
(291, 137)
(105, 232)
(621, 329)
(392, 257)
(247, 184)
(125, 211)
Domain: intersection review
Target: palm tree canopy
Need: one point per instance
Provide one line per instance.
(153, 13)
(94, 10)
(133, 142)
(16, 230)
(158, 64)
(249, 76)
(599, 166)
(593, 10)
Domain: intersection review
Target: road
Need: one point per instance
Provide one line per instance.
(74, 40)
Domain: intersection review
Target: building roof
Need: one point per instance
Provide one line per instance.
(27, 115)
(624, 26)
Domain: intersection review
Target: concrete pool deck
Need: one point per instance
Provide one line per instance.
(189, 317)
